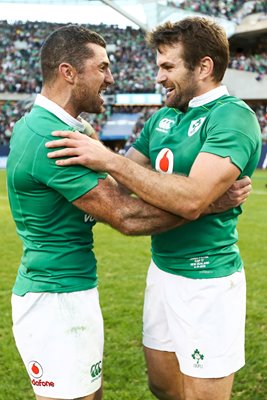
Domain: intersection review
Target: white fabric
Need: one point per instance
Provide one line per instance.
(201, 320)
(55, 109)
(60, 339)
(207, 97)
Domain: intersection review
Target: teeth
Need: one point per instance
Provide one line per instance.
(167, 90)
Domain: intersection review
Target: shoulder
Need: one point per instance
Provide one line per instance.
(163, 118)
(232, 105)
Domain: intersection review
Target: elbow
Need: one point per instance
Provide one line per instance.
(124, 225)
(123, 228)
(193, 210)
(128, 229)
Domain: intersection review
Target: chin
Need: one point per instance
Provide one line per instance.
(96, 109)
(171, 104)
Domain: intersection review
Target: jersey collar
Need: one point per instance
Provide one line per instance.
(58, 111)
(207, 97)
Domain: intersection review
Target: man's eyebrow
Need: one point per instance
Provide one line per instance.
(166, 64)
(104, 64)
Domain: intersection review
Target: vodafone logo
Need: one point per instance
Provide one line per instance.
(164, 161)
(35, 369)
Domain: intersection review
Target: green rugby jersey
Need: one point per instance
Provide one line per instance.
(57, 237)
(227, 127)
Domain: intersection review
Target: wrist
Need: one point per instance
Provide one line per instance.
(115, 163)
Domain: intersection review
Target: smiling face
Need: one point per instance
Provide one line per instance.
(181, 84)
(94, 77)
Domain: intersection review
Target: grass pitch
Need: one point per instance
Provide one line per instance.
(122, 263)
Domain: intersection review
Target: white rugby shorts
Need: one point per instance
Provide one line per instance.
(201, 320)
(60, 339)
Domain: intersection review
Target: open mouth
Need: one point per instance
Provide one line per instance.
(169, 90)
(100, 94)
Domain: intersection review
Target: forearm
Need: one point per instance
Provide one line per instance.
(187, 196)
(128, 214)
(140, 218)
(172, 193)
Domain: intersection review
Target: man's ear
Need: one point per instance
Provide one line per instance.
(67, 71)
(206, 67)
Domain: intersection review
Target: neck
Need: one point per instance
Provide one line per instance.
(61, 97)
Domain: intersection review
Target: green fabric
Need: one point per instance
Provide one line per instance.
(227, 127)
(57, 237)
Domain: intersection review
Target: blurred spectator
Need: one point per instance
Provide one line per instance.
(132, 62)
(233, 10)
(10, 112)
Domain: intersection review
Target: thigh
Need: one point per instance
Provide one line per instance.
(164, 377)
(167, 382)
(207, 388)
(60, 339)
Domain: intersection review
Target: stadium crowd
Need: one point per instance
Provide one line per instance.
(132, 61)
(233, 10)
(250, 63)
(133, 65)
(10, 112)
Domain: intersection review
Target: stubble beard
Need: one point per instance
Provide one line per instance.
(86, 102)
(182, 97)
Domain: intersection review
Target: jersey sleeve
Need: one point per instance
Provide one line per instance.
(142, 143)
(71, 182)
(233, 131)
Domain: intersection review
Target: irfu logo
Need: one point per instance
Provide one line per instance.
(96, 369)
(197, 356)
(195, 125)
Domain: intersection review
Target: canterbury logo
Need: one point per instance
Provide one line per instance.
(165, 124)
(95, 369)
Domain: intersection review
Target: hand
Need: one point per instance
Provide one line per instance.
(79, 149)
(235, 195)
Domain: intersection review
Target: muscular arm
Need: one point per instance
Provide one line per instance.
(234, 196)
(189, 197)
(209, 178)
(130, 215)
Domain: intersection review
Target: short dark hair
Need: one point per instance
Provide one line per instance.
(200, 37)
(67, 44)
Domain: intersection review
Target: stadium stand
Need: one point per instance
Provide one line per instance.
(233, 10)
(133, 68)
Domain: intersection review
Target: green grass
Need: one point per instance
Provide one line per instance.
(122, 265)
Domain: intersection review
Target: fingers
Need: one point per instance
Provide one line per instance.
(71, 146)
(242, 193)
(69, 134)
(240, 189)
(66, 152)
(62, 143)
(69, 161)
(244, 181)
(241, 183)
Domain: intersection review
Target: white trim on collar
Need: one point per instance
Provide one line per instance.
(207, 97)
(58, 111)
